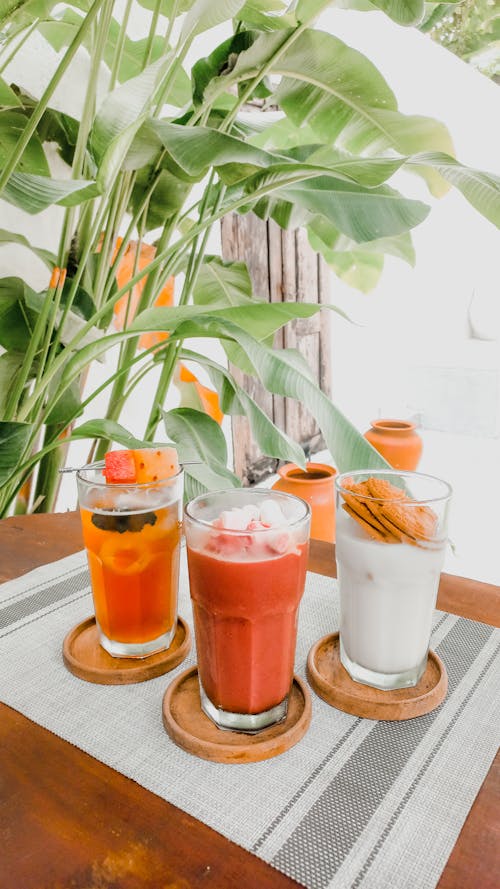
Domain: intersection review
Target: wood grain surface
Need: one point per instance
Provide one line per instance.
(331, 681)
(85, 657)
(188, 726)
(68, 821)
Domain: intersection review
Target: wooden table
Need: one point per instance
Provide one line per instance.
(67, 821)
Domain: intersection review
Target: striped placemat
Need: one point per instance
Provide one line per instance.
(354, 803)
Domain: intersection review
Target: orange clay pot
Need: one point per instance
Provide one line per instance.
(397, 441)
(316, 486)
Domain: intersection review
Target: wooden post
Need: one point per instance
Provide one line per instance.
(283, 268)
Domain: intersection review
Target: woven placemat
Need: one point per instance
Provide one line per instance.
(354, 803)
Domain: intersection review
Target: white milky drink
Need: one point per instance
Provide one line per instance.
(388, 587)
(388, 599)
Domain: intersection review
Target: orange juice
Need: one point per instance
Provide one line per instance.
(132, 535)
(134, 574)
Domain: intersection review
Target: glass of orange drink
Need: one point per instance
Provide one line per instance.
(132, 534)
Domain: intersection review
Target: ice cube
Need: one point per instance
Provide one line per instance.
(256, 525)
(251, 510)
(234, 519)
(271, 514)
(229, 545)
(279, 543)
(126, 501)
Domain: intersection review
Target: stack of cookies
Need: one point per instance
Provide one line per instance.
(387, 514)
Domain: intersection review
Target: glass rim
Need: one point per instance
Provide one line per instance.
(99, 464)
(403, 473)
(252, 492)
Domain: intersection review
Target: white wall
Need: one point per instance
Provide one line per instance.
(429, 341)
(415, 352)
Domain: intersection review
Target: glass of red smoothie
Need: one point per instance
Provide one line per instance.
(247, 557)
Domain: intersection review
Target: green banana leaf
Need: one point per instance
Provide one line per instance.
(124, 109)
(47, 257)
(338, 93)
(205, 14)
(108, 429)
(234, 400)
(33, 160)
(262, 319)
(60, 32)
(166, 7)
(481, 189)
(8, 98)
(277, 373)
(35, 193)
(14, 438)
(197, 435)
(10, 365)
(201, 478)
(65, 408)
(404, 12)
(267, 15)
(17, 314)
(23, 11)
(360, 213)
(227, 281)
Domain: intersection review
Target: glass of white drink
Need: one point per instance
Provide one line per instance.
(391, 539)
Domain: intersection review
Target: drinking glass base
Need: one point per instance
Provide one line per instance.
(384, 681)
(247, 723)
(136, 649)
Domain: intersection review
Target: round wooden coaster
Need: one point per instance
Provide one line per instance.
(190, 729)
(85, 657)
(330, 681)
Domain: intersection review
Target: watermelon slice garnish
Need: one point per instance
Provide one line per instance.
(140, 466)
(119, 468)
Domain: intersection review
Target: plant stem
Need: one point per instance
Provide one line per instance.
(54, 302)
(152, 33)
(85, 126)
(78, 168)
(128, 350)
(108, 241)
(48, 478)
(195, 260)
(164, 88)
(162, 388)
(117, 58)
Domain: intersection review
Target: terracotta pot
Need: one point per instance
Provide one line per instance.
(316, 486)
(397, 441)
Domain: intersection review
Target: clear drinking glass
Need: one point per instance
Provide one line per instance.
(246, 585)
(390, 548)
(132, 535)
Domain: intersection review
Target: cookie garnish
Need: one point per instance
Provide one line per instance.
(371, 530)
(361, 507)
(387, 514)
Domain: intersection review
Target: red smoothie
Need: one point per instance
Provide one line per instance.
(245, 614)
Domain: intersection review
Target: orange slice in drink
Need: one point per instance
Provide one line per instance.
(122, 559)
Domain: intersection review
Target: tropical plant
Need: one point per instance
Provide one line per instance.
(470, 29)
(155, 158)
